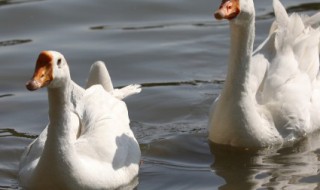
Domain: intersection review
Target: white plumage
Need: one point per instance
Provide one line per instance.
(88, 143)
(272, 95)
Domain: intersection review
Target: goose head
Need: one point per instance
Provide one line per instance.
(51, 71)
(237, 11)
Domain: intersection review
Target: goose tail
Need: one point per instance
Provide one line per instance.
(99, 75)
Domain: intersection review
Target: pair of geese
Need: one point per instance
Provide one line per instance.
(271, 96)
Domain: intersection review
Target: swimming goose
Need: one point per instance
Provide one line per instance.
(88, 143)
(271, 96)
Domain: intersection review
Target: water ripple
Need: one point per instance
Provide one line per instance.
(148, 27)
(8, 187)
(14, 42)
(12, 132)
(179, 83)
(6, 95)
(298, 8)
(304, 7)
(177, 165)
(10, 2)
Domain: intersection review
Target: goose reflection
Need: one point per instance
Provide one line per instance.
(294, 167)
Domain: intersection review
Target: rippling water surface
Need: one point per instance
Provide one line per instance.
(178, 52)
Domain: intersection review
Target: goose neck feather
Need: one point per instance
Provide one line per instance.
(59, 147)
(242, 37)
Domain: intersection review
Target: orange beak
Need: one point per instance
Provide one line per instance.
(43, 73)
(228, 9)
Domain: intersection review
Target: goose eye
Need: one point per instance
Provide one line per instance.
(59, 62)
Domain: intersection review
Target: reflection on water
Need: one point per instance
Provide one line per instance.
(132, 186)
(295, 167)
(187, 161)
(178, 53)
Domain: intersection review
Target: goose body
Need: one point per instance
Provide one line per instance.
(272, 95)
(88, 143)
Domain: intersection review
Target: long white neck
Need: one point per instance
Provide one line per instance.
(60, 114)
(59, 152)
(242, 38)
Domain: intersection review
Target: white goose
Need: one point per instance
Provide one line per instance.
(88, 143)
(271, 96)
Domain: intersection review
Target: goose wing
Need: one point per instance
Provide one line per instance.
(106, 132)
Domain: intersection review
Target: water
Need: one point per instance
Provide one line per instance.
(178, 52)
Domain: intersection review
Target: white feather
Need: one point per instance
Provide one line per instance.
(88, 143)
(274, 97)
(99, 75)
